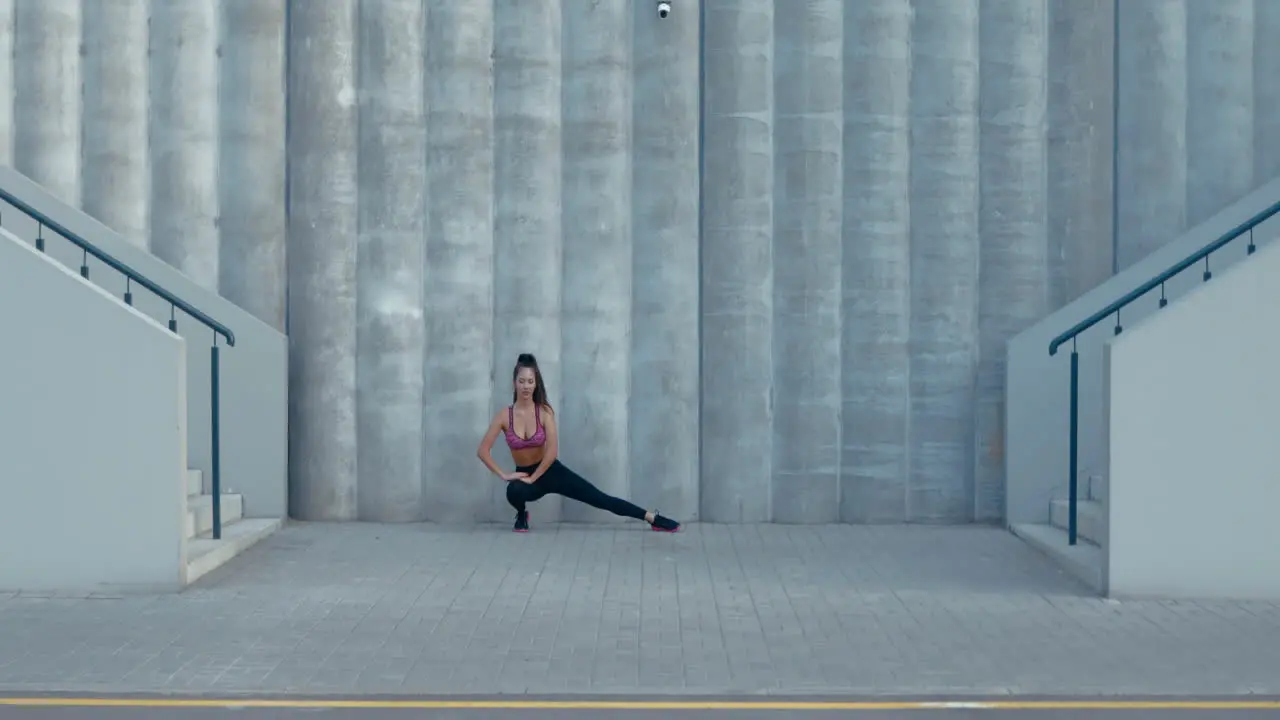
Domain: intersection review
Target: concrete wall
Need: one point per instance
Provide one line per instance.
(1191, 402)
(254, 391)
(95, 463)
(812, 359)
(769, 252)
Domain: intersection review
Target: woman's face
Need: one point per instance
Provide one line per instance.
(526, 382)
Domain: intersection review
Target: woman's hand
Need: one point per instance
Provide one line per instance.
(523, 477)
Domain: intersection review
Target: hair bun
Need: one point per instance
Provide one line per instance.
(527, 358)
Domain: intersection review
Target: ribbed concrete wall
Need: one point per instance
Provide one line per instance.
(768, 251)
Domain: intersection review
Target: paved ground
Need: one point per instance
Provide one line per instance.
(155, 708)
(13, 713)
(746, 610)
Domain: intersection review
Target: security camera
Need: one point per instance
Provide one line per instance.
(664, 9)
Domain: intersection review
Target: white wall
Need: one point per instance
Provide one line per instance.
(1194, 462)
(255, 373)
(92, 435)
(1037, 385)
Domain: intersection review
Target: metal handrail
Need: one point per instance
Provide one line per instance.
(1114, 309)
(133, 276)
(1164, 277)
(120, 267)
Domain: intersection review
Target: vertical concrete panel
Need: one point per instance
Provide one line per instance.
(251, 162)
(184, 137)
(322, 259)
(1081, 138)
(1220, 104)
(1266, 91)
(526, 230)
(944, 258)
(596, 324)
(1014, 287)
(458, 381)
(1151, 191)
(807, 168)
(116, 166)
(876, 283)
(664, 294)
(47, 92)
(737, 264)
(392, 209)
(6, 82)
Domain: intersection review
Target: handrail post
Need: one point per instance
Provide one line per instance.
(1075, 416)
(215, 441)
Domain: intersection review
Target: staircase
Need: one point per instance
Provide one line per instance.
(1084, 559)
(139, 393)
(205, 554)
(1089, 512)
(1151, 400)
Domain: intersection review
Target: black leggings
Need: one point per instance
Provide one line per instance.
(561, 480)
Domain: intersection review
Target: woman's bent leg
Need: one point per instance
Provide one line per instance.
(573, 486)
(519, 494)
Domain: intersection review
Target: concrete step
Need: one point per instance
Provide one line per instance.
(195, 482)
(206, 554)
(1089, 518)
(1082, 561)
(1097, 489)
(200, 513)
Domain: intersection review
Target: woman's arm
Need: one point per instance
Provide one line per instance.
(486, 445)
(549, 451)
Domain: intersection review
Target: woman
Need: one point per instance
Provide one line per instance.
(529, 424)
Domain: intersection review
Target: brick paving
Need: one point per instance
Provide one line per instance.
(365, 609)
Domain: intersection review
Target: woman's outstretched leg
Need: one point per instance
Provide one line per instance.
(573, 486)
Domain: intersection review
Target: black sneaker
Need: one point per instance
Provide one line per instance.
(663, 524)
(522, 522)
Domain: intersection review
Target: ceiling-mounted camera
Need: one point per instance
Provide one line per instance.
(664, 8)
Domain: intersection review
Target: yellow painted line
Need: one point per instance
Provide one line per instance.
(89, 702)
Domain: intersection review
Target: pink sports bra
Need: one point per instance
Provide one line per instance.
(514, 441)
